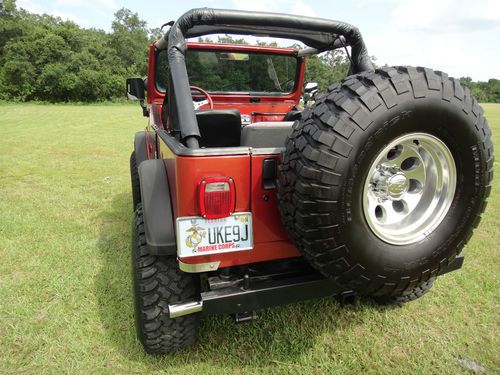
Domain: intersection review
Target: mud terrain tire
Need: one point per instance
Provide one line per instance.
(326, 165)
(158, 282)
(408, 295)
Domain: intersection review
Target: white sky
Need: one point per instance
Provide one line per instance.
(459, 37)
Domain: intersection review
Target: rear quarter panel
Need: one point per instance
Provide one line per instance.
(186, 172)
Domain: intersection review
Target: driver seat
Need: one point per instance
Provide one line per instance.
(219, 127)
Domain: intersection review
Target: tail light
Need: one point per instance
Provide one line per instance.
(217, 197)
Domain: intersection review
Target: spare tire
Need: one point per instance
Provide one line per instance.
(384, 180)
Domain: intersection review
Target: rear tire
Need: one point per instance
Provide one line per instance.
(157, 283)
(329, 162)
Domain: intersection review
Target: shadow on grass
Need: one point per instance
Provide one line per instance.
(280, 335)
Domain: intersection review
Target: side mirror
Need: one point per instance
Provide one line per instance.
(311, 88)
(135, 89)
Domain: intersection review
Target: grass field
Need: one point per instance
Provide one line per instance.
(65, 287)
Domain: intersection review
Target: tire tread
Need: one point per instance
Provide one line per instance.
(158, 282)
(320, 143)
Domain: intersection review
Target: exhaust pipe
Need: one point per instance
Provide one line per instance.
(181, 309)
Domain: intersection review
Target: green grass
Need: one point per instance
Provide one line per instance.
(65, 287)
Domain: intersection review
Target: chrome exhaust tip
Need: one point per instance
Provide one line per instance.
(181, 309)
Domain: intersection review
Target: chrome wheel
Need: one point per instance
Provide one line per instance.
(409, 188)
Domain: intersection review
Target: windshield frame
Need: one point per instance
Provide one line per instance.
(241, 48)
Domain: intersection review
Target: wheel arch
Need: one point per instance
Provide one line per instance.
(159, 225)
(143, 141)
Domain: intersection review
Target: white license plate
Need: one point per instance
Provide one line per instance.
(198, 236)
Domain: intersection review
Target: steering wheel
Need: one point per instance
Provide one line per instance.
(208, 100)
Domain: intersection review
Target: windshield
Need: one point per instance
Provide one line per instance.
(235, 72)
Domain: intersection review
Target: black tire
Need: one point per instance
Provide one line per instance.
(134, 177)
(158, 282)
(326, 162)
(408, 295)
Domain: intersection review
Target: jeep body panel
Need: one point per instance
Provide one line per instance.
(184, 176)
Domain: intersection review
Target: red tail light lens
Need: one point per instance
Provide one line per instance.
(217, 197)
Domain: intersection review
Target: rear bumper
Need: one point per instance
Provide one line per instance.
(265, 294)
(254, 293)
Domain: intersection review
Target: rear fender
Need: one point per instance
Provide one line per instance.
(157, 208)
(144, 146)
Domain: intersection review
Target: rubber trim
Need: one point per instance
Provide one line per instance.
(180, 150)
(155, 197)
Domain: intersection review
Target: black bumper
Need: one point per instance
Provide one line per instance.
(237, 299)
(254, 293)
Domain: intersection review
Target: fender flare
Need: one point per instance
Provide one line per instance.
(141, 141)
(157, 208)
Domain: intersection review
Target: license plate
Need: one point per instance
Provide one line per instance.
(198, 236)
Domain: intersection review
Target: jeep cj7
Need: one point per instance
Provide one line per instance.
(243, 199)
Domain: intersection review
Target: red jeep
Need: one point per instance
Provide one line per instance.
(244, 200)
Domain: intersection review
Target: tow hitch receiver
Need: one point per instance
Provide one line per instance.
(245, 317)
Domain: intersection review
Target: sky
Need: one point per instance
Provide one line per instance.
(460, 37)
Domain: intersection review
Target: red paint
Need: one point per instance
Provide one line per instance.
(205, 95)
(270, 241)
(190, 171)
(266, 218)
(241, 48)
(261, 252)
(170, 167)
(186, 173)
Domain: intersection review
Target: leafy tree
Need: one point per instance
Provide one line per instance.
(45, 58)
(9, 29)
(327, 68)
(57, 83)
(483, 91)
(130, 40)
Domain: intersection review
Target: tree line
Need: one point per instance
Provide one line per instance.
(45, 58)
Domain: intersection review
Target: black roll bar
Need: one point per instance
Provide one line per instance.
(319, 33)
